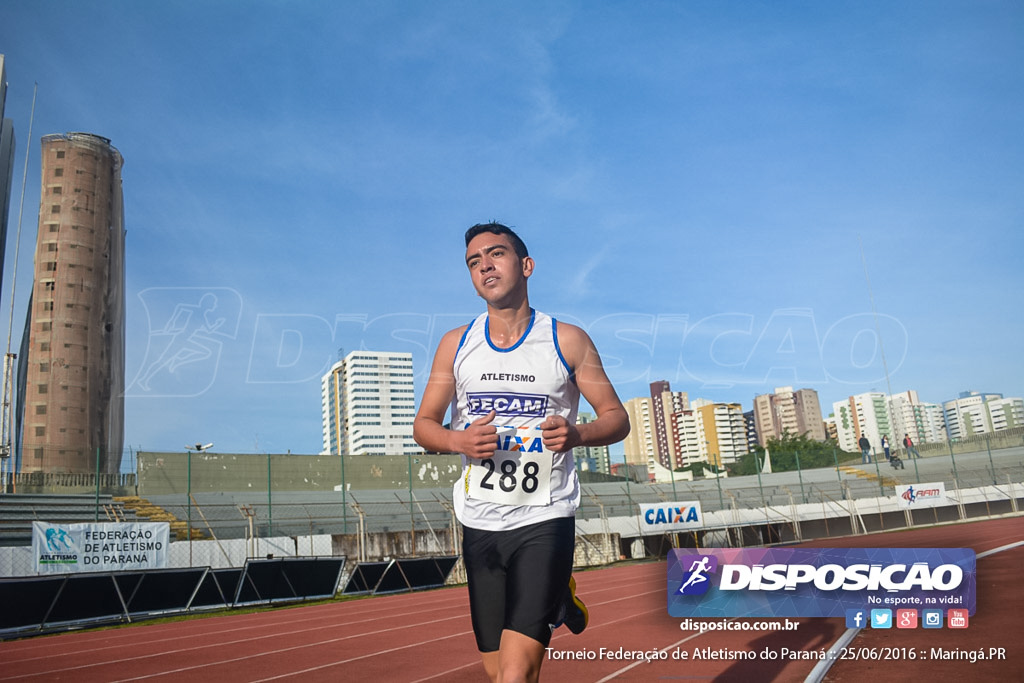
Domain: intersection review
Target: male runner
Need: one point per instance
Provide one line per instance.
(513, 378)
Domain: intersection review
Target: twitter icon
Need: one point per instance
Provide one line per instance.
(881, 618)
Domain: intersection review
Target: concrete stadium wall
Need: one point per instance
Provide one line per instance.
(168, 473)
(1007, 438)
(65, 483)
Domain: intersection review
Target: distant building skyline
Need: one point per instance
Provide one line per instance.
(698, 431)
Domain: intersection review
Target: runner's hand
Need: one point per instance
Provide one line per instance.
(480, 439)
(558, 435)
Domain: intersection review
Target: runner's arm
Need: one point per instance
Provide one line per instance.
(612, 422)
(479, 440)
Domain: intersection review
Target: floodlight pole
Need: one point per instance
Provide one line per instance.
(199, 448)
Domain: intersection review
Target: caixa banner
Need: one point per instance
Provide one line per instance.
(817, 582)
(661, 517)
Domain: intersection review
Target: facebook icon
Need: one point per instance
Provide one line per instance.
(855, 618)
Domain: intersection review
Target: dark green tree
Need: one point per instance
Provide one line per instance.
(784, 452)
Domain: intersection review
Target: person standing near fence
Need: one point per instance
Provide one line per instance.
(865, 449)
(885, 447)
(908, 443)
(513, 378)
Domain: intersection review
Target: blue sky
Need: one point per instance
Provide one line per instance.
(696, 180)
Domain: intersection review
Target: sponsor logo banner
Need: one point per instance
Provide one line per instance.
(507, 404)
(671, 516)
(817, 582)
(921, 495)
(65, 548)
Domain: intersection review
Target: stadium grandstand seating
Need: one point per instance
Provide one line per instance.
(19, 510)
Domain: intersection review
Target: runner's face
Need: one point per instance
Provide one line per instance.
(495, 269)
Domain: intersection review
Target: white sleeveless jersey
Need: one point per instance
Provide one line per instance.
(523, 483)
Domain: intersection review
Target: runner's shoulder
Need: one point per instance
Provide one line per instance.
(574, 342)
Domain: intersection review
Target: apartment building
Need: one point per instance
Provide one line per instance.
(973, 413)
(788, 412)
(368, 405)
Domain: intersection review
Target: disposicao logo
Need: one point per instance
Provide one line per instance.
(817, 582)
(696, 580)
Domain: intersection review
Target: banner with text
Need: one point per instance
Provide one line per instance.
(661, 517)
(817, 582)
(65, 548)
(922, 495)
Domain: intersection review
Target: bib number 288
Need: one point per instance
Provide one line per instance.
(507, 479)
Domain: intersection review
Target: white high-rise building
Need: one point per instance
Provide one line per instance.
(721, 431)
(924, 422)
(639, 446)
(369, 404)
(863, 415)
(591, 458)
(974, 413)
(688, 443)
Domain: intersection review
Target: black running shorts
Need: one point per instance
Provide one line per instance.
(517, 579)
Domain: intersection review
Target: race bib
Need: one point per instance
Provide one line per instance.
(518, 474)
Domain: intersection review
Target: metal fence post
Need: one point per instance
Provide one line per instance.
(800, 474)
(270, 501)
(988, 445)
(97, 484)
(344, 501)
(956, 475)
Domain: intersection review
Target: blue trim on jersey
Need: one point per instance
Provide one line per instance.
(554, 337)
(463, 340)
(487, 333)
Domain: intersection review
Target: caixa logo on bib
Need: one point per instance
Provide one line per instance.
(817, 582)
(507, 404)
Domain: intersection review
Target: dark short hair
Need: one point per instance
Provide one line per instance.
(498, 229)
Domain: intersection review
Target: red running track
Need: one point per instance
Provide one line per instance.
(427, 636)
